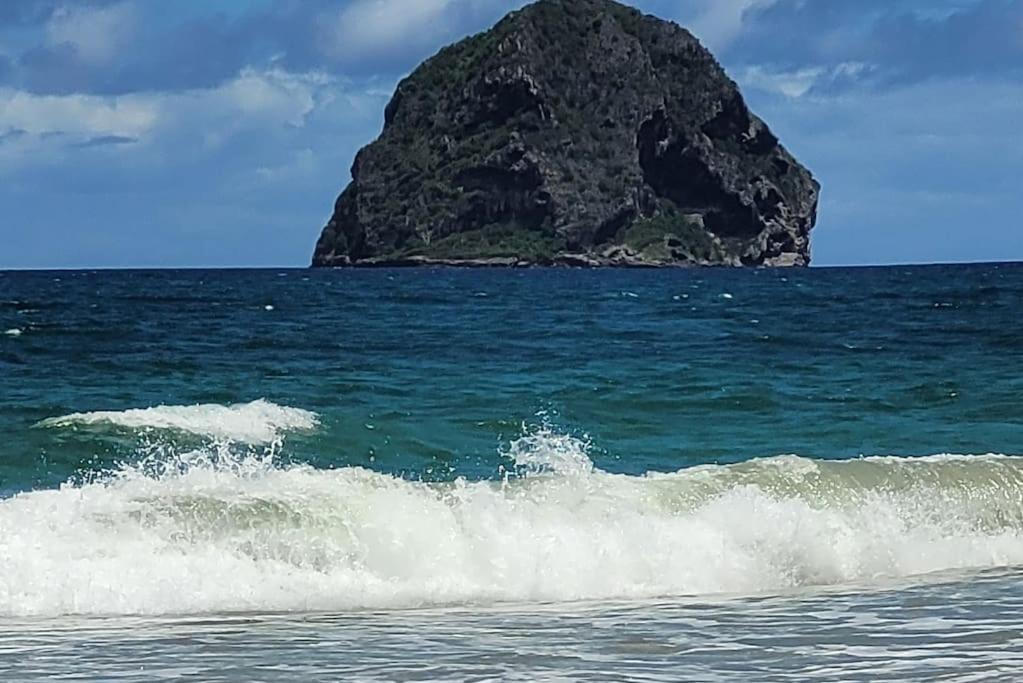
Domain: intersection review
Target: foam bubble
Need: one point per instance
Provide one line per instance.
(258, 422)
(14, 332)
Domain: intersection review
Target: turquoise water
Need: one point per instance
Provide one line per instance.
(235, 471)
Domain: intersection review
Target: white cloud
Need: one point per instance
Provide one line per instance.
(78, 115)
(272, 97)
(254, 100)
(299, 164)
(799, 82)
(721, 22)
(96, 33)
(790, 83)
(372, 27)
(368, 29)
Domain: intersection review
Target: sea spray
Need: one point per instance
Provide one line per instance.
(543, 450)
(228, 529)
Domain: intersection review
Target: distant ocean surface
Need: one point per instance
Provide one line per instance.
(532, 475)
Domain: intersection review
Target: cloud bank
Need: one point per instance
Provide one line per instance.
(218, 133)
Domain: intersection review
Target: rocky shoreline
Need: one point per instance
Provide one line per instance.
(612, 259)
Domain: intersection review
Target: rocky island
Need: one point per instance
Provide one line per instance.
(574, 132)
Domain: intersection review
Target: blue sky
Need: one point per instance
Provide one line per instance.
(218, 132)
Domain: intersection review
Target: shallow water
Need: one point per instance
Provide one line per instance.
(531, 475)
(939, 628)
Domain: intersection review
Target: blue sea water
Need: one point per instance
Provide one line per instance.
(536, 474)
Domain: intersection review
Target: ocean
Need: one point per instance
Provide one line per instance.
(528, 475)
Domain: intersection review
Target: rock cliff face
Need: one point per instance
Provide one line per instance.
(576, 132)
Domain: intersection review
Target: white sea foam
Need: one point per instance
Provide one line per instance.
(14, 332)
(258, 422)
(209, 531)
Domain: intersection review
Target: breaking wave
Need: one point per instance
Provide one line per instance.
(210, 530)
(258, 422)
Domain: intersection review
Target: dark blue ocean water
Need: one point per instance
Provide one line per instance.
(428, 373)
(636, 451)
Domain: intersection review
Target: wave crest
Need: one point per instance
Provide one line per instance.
(258, 422)
(211, 531)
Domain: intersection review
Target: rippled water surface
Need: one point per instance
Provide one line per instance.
(523, 475)
(948, 628)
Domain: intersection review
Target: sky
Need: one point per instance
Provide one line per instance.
(207, 133)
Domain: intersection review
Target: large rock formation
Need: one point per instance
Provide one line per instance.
(578, 132)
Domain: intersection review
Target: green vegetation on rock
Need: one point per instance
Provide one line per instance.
(671, 236)
(492, 241)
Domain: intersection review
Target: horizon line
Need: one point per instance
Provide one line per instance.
(829, 266)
